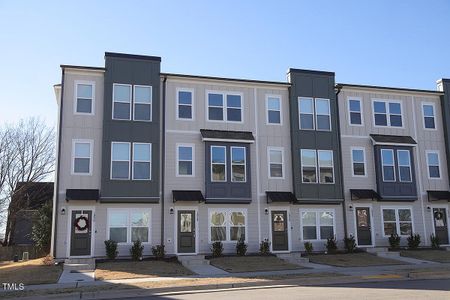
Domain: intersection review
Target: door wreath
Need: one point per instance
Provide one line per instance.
(438, 215)
(79, 223)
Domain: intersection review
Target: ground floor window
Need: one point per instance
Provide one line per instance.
(317, 224)
(129, 225)
(397, 220)
(227, 225)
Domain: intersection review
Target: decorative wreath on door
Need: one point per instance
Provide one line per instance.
(438, 215)
(79, 223)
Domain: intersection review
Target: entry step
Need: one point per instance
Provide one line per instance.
(293, 258)
(376, 250)
(192, 260)
(79, 264)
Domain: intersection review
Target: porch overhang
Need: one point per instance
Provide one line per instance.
(187, 195)
(438, 196)
(392, 140)
(227, 136)
(358, 194)
(82, 194)
(280, 197)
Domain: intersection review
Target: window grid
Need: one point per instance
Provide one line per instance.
(355, 114)
(142, 103)
(120, 160)
(309, 166)
(128, 223)
(387, 164)
(428, 112)
(319, 225)
(273, 111)
(304, 114)
(185, 160)
(185, 108)
(358, 164)
(228, 224)
(274, 165)
(224, 164)
(403, 225)
(79, 97)
(402, 165)
(227, 107)
(320, 115)
(80, 157)
(137, 161)
(325, 168)
(237, 163)
(121, 101)
(433, 165)
(387, 117)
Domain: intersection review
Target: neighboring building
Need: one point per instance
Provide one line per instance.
(185, 160)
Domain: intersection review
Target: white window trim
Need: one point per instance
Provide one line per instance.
(227, 212)
(352, 161)
(281, 149)
(332, 166)
(130, 103)
(349, 111)
(211, 162)
(149, 161)
(397, 219)
(91, 150)
(428, 163)
(280, 111)
(129, 212)
(300, 112)
(225, 106)
(178, 104)
(317, 211)
(177, 172)
(303, 165)
(84, 82)
(316, 114)
(388, 114)
(238, 164)
(129, 160)
(393, 164)
(434, 115)
(150, 104)
(398, 166)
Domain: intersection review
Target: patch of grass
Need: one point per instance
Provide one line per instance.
(139, 269)
(29, 272)
(240, 264)
(353, 260)
(441, 256)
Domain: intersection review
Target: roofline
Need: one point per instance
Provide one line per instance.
(83, 68)
(316, 72)
(132, 56)
(341, 85)
(226, 79)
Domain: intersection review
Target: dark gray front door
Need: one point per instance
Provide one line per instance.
(363, 228)
(280, 240)
(186, 231)
(441, 225)
(80, 237)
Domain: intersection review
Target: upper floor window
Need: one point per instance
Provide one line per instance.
(120, 160)
(428, 116)
(84, 98)
(276, 162)
(387, 113)
(433, 164)
(238, 164)
(142, 103)
(185, 160)
(323, 116)
(218, 163)
(142, 157)
(273, 109)
(396, 169)
(326, 170)
(82, 157)
(314, 114)
(358, 162)
(313, 160)
(404, 165)
(230, 110)
(355, 111)
(388, 165)
(185, 105)
(121, 101)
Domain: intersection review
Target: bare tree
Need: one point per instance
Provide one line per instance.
(27, 155)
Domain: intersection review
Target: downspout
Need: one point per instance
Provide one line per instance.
(163, 156)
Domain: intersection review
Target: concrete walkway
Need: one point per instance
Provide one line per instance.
(206, 270)
(68, 276)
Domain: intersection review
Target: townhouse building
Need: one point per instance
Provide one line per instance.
(185, 160)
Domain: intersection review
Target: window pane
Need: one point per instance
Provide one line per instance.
(118, 234)
(433, 159)
(306, 121)
(322, 107)
(218, 154)
(120, 169)
(215, 100)
(380, 120)
(139, 233)
(323, 122)
(238, 155)
(218, 234)
(389, 215)
(234, 101)
(395, 108)
(434, 172)
(308, 157)
(403, 158)
(405, 174)
(215, 113)
(238, 173)
(309, 174)
(142, 112)
(122, 93)
(276, 170)
(273, 103)
(141, 170)
(218, 218)
(275, 156)
(274, 117)
(121, 111)
(84, 91)
(141, 152)
(326, 218)
(142, 94)
(237, 233)
(326, 232)
(358, 155)
(428, 110)
(306, 105)
(118, 219)
(121, 151)
(325, 158)
(309, 218)
(355, 118)
(84, 105)
(396, 120)
(387, 157)
(82, 150)
(405, 228)
(379, 107)
(355, 105)
(390, 228)
(388, 173)
(429, 122)
(326, 175)
(185, 167)
(184, 97)
(237, 218)
(139, 219)
(309, 233)
(81, 165)
(404, 214)
(184, 112)
(184, 153)
(358, 169)
(218, 172)
(234, 114)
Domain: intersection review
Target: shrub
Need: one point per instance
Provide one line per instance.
(394, 241)
(413, 241)
(264, 247)
(136, 250)
(48, 260)
(331, 244)
(217, 249)
(308, 248)
(350, 244)
(435, 242)
(158, 251)
(241, 247)
(42, 228)
(111, 249)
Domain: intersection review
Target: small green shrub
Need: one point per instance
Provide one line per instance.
(217, 249)
(413, 241)
(111, 249)
(241, 247)
(158, 251)
(350, 244)
(136, 250)
(264, 247)
(331, 244)
(435, 242)
(394, 241)
(308, 248)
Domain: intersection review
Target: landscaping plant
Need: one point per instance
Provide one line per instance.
(331, 244)
(136, 250)
(350, 244)
(158, 251)
(241, 247)
(217, 249)
(435, 242)
(264, 247)
(308, 248)
(48, 260)
(413, 241)
(42, 228)
(394, 241)
(111, 249)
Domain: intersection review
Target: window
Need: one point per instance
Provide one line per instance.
(388, 166)
(326, 172)
(428, 116)
(121, 101)
(142, 157)
(218, 164)
(273, 107)
(142, 103)
(84, 98)
(397, 220)
(184, 109)
(354, 110)
(358, 162)
(323, 117)
(433, 164)
(185, 160)
(404, 165)
(306, 109)
(313, 160)
(317, 225)
(314, 113)
(276, 162)
(120, 160)
(231, 111)
(238, 164)
(215, 107)
(309, 166)
(387, 113)
(234, 108)
(82, 157)
(129, 225)
(227, 225)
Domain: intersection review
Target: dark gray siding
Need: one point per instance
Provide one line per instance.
(314, 84)
(135, 70)
(445, 105)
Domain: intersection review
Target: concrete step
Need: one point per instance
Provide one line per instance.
(79, 264)
(389, 254)
(192, 260)
(376, 249)
(447, 248)
(294, 258)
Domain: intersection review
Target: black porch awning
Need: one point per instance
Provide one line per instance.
(438, 195)
(82, 194)
(280, 197)
(364, 194)
(242, 136)
(180, 195)
(396, 139)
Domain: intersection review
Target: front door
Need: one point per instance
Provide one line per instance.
(363, 228)
(186, 231)
(80, 237)
(280, 241)
(441, 225)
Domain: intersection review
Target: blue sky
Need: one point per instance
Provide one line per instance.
(384, 42)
